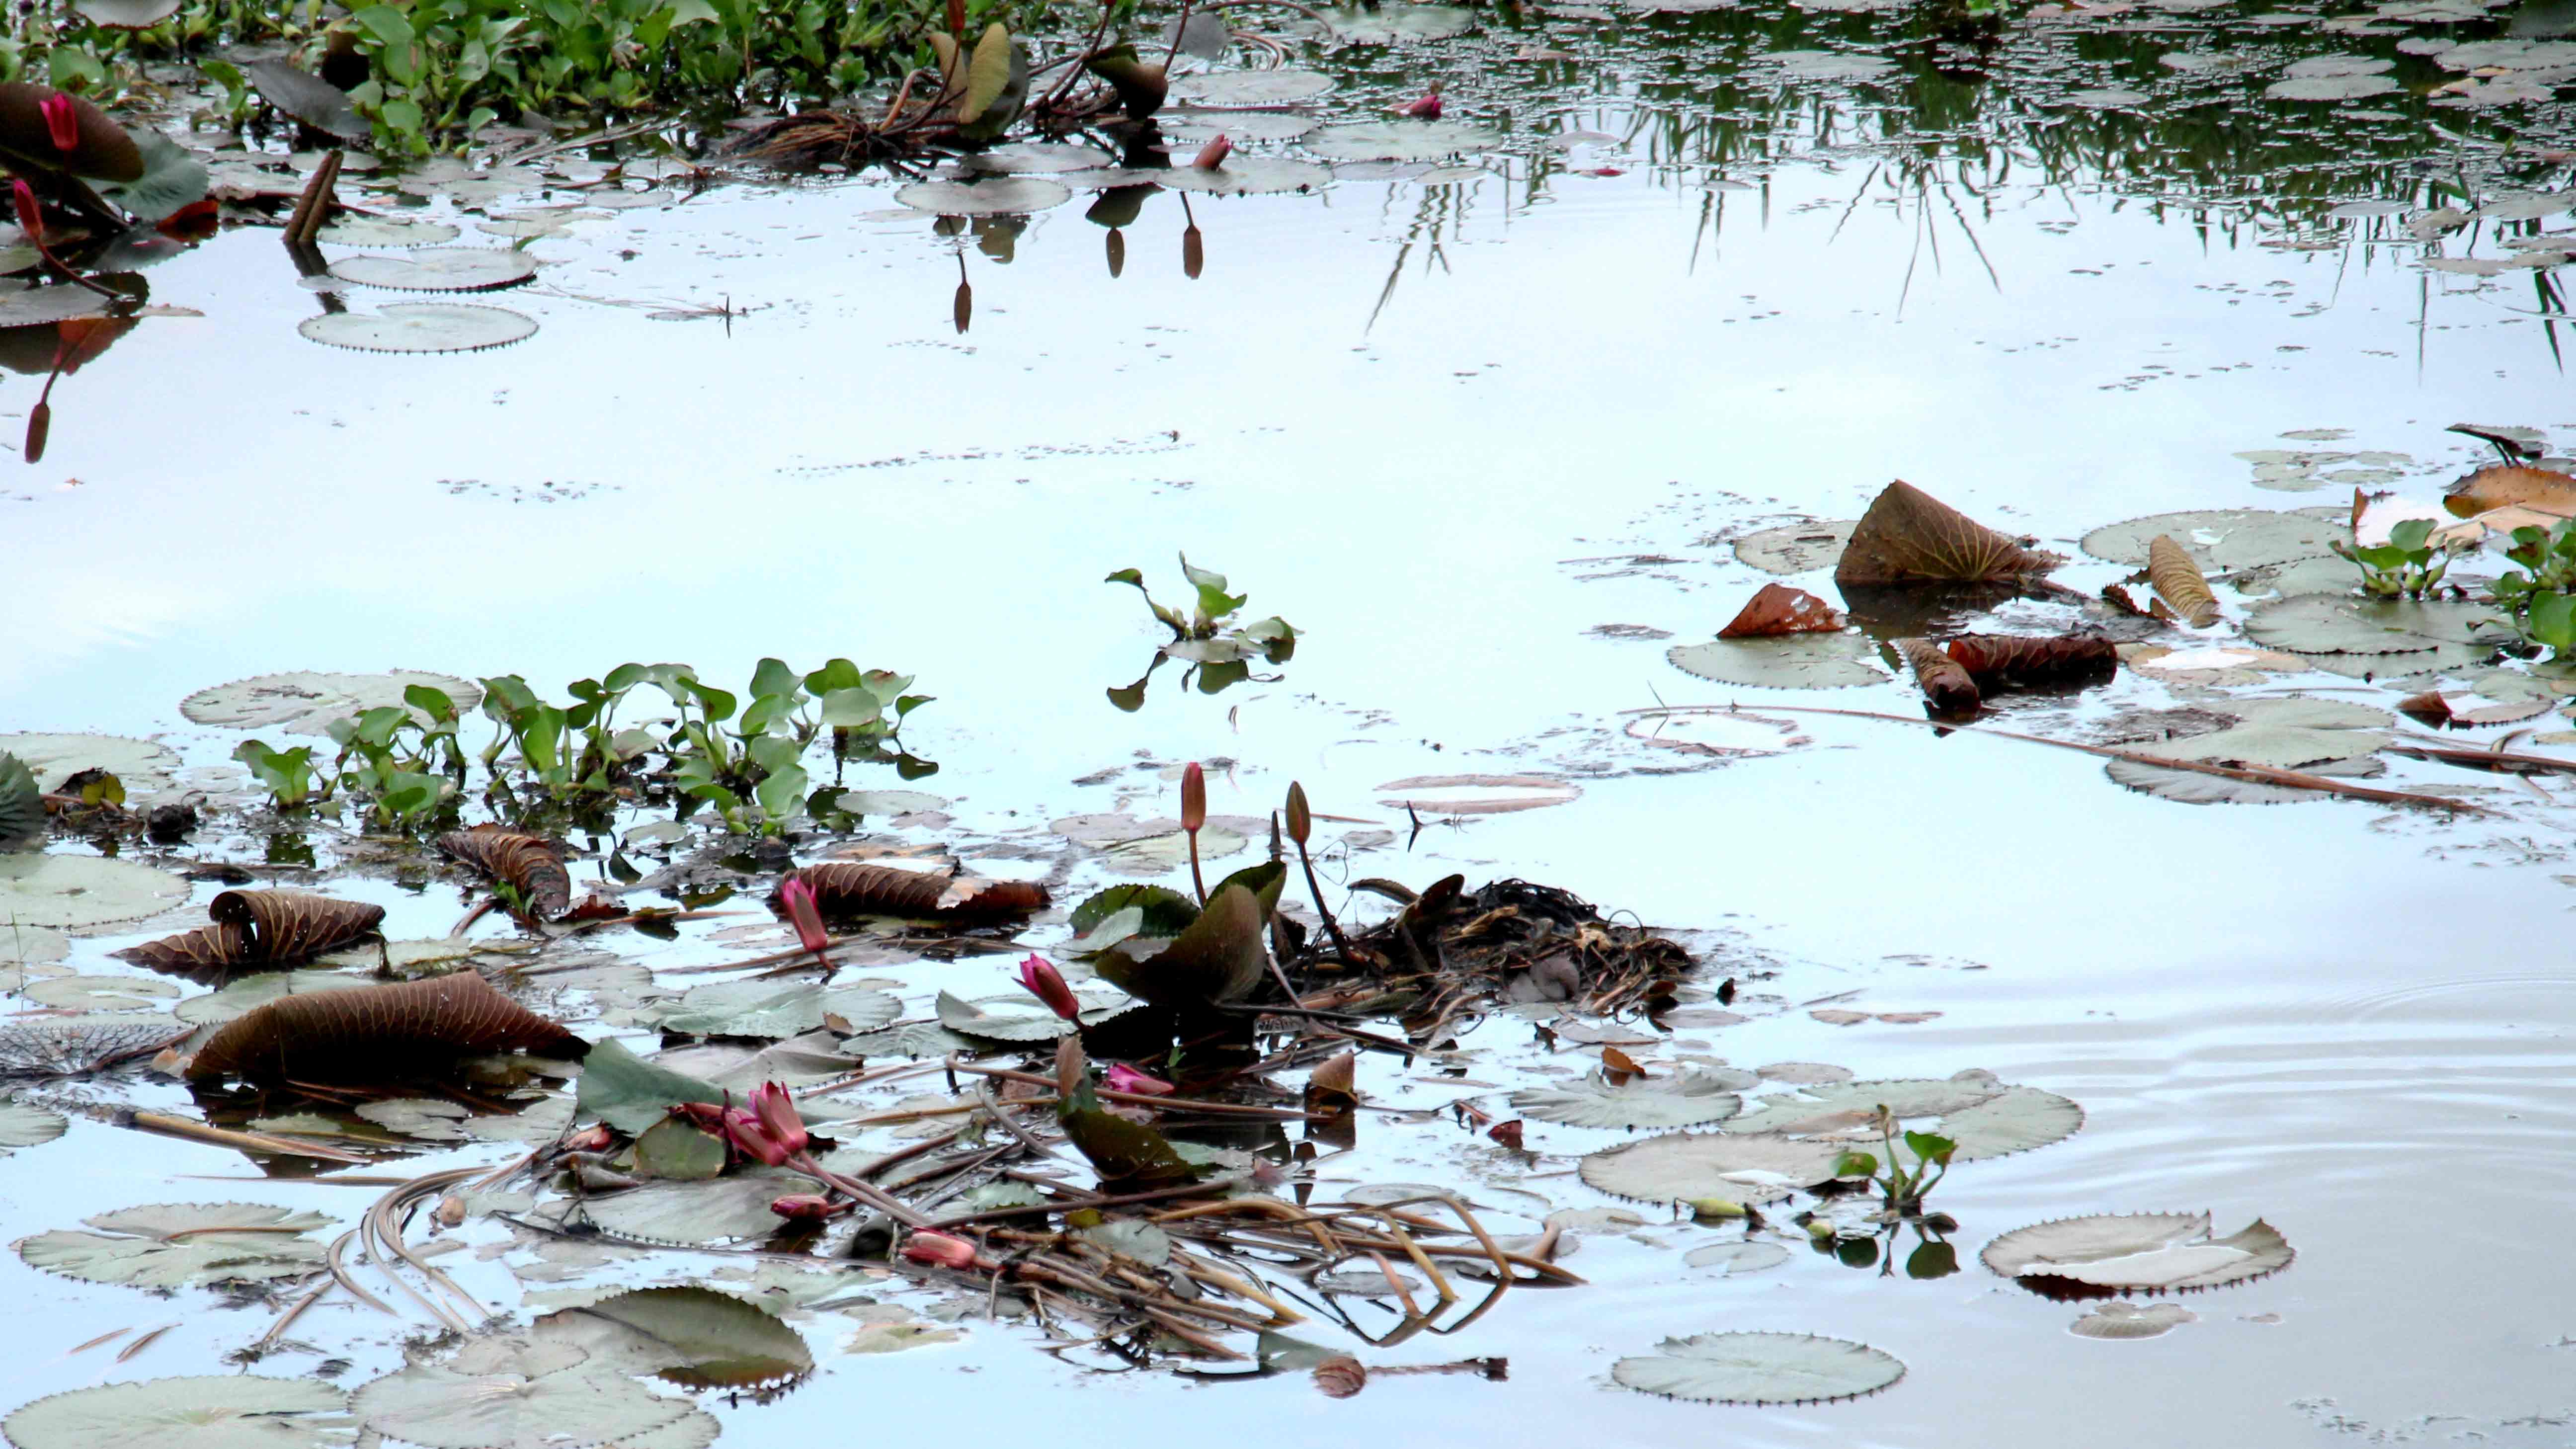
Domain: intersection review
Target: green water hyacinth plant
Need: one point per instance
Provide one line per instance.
(2541, 595)
(2407, 566)
(1903, 1189)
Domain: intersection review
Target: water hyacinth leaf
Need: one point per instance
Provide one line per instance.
(1792, 661)
(307, 98)
(2131, 1320)
(445, 1408)
(419, 1025)
(1217, 959)
(181, 1245)
(1910, 537)
(216, 1411)
(305, 702)
(82, 890)
(985, 196)
(1679, 1167)
(1760, 1368)
(1476, 794)
(697, 1338)
(1400, 140)
(420, 327)
(24, 1124)
(1399, 24)
(1689, 1098)
(2223, 540)
(173, 177)
(2112, 1254)
(997, 82)
(760, 1008)
(1283, 87)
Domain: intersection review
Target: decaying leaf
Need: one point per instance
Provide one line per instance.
(1333, 1086)
(2131, 1320)
(1997, 661)
(75, 1046)
(373, 1033)
(1780, 609)
(846, 888)
(531, 864)
(260, 928)
(2542, 490)
(2107, 1255)
(1910, 537)
(2178, 582)
(1943, 682)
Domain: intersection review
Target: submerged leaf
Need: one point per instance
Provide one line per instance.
(2111, 1254)
(1760, 1368)
(1910, 537)
(2131, 1320)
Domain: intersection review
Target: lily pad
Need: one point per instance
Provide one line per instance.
(2223, 540)
(2446, 631)
(1250, 87)
(1036, 158)
(1476, 794)
(1828, 65)
(82, 890)
(1689, 1098)
(1246, 176)
(141, 765)
(1400, 140)
(538, 1398)
(2131, 1320)
(439, 269)
(216, 1411)
(386, 231)
(429, 1119)
(1760, 1368)
(305, 703)
(100, 993)
(1785, 661)
(1398, 24)
(420, 327)
(1985, 1117)
(252, 992)
(986, 196)
(2280, 747)
(719, 1210)
(24, 1124)
(1796, 548)
(771, 1008)
(2330, 87)
(2111, 1254)
(126, 14)
(1680, 1166)
(2104, 98)
(697, 1338)
(1243, 126)
(1741, 1256)
(180, 1245)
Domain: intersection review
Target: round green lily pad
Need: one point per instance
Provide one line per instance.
(2224, 540)
(1037, 158)
(2103, 98)
(987, 196)
(305, 702)
(1246, 176)
(82, 890)
(439, 269)
(1680, 1166)
(1690, 1098)
(216, 1411)
(140, 765)
(1400, 140)
(2332, 624)
(1787, 661)
(1760, 1368)
(1399, 24)
(1243, 126)
(386, 231)
(1828, 65)
(1796, 548)
(2330, 88)
(420, 327)
(1250, 87)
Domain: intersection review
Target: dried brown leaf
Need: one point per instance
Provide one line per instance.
(530, 863)
(373, 1033)
(2543, 490)
(1780, 609)
(2178, 582)
(2428, 707)
(1910, 537)
(1944, 683)
(1341, 1376)
(1998, 660)
(259, 928)
(1334, 1084)
(848, 888)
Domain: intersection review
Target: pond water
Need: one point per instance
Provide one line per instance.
(1452, 431)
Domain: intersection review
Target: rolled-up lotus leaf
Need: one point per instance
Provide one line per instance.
(847, 888)
(105, 152)
(372, 1033)
(530, 863)
(206, 954)
(261, 928)
(2178, 582)
(1994, 660)
(1943, 682)
(1910, 537)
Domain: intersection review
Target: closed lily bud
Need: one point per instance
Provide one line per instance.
(62, 123)
(1193, 252)
(940, 1250)
(1425, 109)
(1213, 154)
(776, 1112)
(31, 218)
(803, 1207)
(1040, 979)
(798, 898)
(593, 1138)
(40, 423)
(1124, 1078)
(1301, 822)
(1193, 798)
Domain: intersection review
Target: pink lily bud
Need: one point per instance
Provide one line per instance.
(593, 1138)
(752, 1140)
(798, 898)
(1213, 154)
(939, 1249)
(1039, 978)
(804, 1207)
(1425, 109)
(31, 218)
(61, 121)
(1193, 798)
(1124, 1078)
(775, 1110)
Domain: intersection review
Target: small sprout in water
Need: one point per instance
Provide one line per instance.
(1194, 819)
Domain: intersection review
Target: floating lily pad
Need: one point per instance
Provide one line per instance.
(126, 14)
(1680, 1166)
(1786, 661)
(180, 1245)
(1742, 1256)
(1250, 87)
(82, 890)
(305, 702)
(386, 231)
(1037, 158)
(2529, 207)
(724, 1208)
(30, 306)
(1243, 126)
(987, 196)
(2131, 1320)
(534, 1398)
(1246, 176)
(420, 327)
(972, 1020)
(2104, 98)
(2223, 540)
(24, 1124)
(1400, 23)
(1476, 794)
(1828, 65)
(2280, 747)
(2191, 787)
(217, 1411)
(100, 993)
(2507, 54)
(1690, 1098)
(439, 269)
(771, 1008)
(1760, 1368)
(2330, 88)
(252, 992)
(1797, 548)
(1400, 140)
(1985, 1117)
(698, 1338)
(140, 765)
(429, 1119)
(2111, 1254)
(2447, 630)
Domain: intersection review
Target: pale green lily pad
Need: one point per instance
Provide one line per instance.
(101, 993)
(1828, 65)
(896, 1337)
(24, 1124)
(1400, 140)
(2330, 88)
(2190, 787)
(2225, 540)
(386, 231)
(420, 327)
(1244, 127)
(252, 992)
(180, 1245)
(2131, 1320)
(973, 1020)
(2508, 54)
(2446, 630)
(797, 1061)
(140, 765)
(1985, 1117)
(82, 890)
(2303, 712)
(431, 1119)
(1246, 176)
(305, 702)
(771, 1008)
(987, 196)
(1130, 1238)
(1787, 661)
(1742, 1256)
(1796, 548)
(698, 1338)
(2104, 98)
(438, 269)
(1760, 1368)
(216, 1411)
(890, 802)
(1037, 158)
(1680, 1166)
(1250, 87)
(2280, 747)
(912, 1039)
(2141, 1252)
(533, 1125)
(1689, 1098)
(564, 1408)
(1399, 23)
(721, 1210)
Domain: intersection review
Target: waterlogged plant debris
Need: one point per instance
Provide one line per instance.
(1680, 1167)
(438, 269)
(374, 1030)
(2109, 1255)
(1910, 537)
(2178, 582)
(1792, 661)
(1689, 1098)
(1760, 1368)
(1779, 609)
(183, 1245)
(420, 327)
(305, 703)
(216, 1411)
(82, 890)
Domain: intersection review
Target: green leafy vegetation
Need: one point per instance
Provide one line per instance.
(2541, 595)
(2407, 566)
(1904, 1189)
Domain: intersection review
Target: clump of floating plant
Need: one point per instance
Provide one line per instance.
(1217, 646)
(1902, 1188)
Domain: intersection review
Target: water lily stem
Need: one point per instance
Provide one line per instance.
(1315, 888)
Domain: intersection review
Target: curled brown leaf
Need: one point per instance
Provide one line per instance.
(1943, 682)
(260, 928)
(531, 864)
(2542, 490)
(2178, 582)
(1998, 660)
(848, 888)
(1780, 609)
(370, 1033)
(1910, 537)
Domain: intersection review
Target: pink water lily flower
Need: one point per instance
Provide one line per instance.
(1211, 156)
(62, 123)
(776, 1113)
(1425, 109)
(1040, 979)
(1124, 1078)
(940, 1249)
